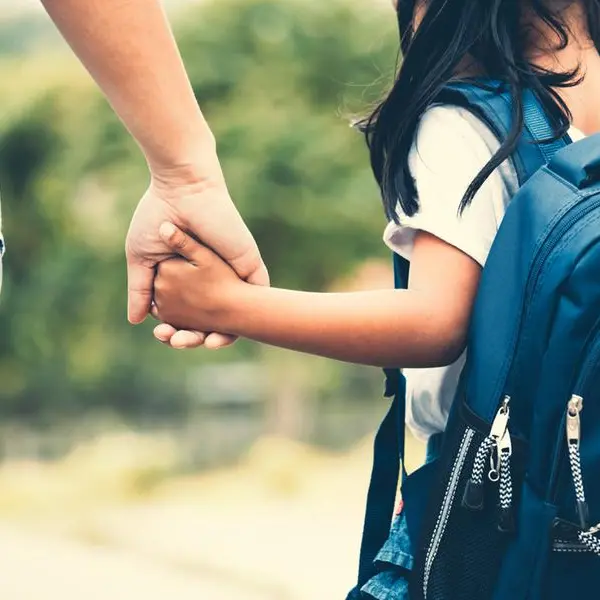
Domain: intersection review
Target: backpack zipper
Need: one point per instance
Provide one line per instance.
(572, 421)
(506, 520)
(580, 383)
(447, 502)
(573, 431)
(587, 535)
(474, 490)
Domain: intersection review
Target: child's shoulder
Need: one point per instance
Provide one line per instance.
(447, 134)
(451, 146)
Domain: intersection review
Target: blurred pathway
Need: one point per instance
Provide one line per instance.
(35, 567)
(280, 552)
(284, 526)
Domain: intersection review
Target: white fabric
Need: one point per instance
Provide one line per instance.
(451, 146)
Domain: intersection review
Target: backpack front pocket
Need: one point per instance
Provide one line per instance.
(471, 523)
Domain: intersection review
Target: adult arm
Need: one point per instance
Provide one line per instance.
(128, 48)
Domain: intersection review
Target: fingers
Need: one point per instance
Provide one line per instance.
(187, 247)
(167, 334)
(233, 243)
(181, 340)
(248, 265)
(216, 341)
(164, 332)
(181, 243)
(139, 290)
(184, 340)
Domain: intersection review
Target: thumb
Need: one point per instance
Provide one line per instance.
(139, 290)
(181, 243)
(250, 266)
(260, 275)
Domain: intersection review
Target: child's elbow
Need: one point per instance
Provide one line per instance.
(451, 353)
(449, 346)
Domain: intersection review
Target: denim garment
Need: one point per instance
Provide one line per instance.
(395, 560)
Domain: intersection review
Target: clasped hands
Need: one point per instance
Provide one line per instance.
(195, 290)
(201, 204)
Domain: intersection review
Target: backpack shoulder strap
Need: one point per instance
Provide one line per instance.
(491, 104)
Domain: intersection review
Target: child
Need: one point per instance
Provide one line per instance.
(445, 182)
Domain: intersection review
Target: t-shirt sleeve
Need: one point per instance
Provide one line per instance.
(451, 146)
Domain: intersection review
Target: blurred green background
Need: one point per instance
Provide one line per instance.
(95, 414)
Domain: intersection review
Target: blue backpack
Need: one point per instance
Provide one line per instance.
(510, 510)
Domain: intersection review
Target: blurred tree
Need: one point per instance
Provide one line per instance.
(278, 82)
(26, 33)
(279, 90)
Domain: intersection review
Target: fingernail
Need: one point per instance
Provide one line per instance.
(167, 230)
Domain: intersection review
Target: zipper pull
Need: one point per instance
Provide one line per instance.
(573, 430)
(473, 496)
(574, 407)
(500, 422)
(498, 432)
(506, 521)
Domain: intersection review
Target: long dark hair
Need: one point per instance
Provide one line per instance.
(491, 32)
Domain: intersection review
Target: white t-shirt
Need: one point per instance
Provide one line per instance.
(450, 148)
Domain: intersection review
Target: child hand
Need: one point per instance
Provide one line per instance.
(196, 291)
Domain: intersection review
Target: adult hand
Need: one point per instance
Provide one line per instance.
(202, 207)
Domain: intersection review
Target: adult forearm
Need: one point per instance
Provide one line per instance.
(387, 327)
(128, 48)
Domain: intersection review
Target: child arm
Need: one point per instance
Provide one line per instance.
(423, 326)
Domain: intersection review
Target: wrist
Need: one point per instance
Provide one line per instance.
(238, 309)
(194, 162)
